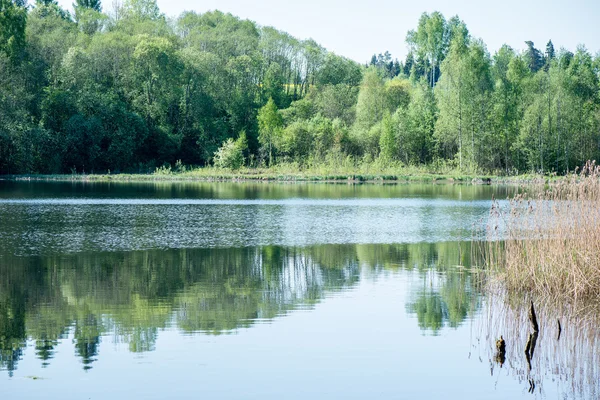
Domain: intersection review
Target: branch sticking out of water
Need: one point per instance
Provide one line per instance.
(533, 319)
(531, 341)
(530, 347)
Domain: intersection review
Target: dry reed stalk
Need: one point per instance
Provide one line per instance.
(551, 243)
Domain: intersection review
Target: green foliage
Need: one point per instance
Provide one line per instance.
(385, 64)
(314, 140)
(388, 142)
(397, 94)
(430, 40)
(414, 126)
(91, 4)
(13, 18)
(336, 101)
(338, 70)
(269, 128)
(89, 19)
(550, 53)
(463, 91)
(296, 141)
(533, 57)
(140, 10)
(231, 154)
(371, 101)
(559, 127)
(273, 86)
(134, 91)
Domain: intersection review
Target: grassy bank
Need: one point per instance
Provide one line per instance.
(294, 173)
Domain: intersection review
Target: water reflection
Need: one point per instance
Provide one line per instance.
(561, 357)
(246, 190)
(448, 291)
(72, 217)
(56, 226)
(132, 296)
(448, 303)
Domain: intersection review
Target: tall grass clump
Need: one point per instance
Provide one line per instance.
(550, 238)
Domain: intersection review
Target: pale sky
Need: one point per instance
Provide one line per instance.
(357, 29)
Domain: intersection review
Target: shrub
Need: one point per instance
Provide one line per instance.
(231, 154)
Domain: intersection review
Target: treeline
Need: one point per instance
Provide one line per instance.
(134, 90)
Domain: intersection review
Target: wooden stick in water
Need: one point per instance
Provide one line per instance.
(533, 319)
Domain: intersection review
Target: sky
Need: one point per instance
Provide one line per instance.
(358, 29)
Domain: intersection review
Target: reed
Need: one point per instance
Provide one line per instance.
(547, 242)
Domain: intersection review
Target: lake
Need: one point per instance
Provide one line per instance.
(264, 291)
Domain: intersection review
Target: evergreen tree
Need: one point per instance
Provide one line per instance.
(533, 57)
(549, 51)
(549, 56)
(46, 2)
(92, 4)
(396, 68)
(408, 64)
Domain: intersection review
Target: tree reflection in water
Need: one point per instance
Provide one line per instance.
(131, 296)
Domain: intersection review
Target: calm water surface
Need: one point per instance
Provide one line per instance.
(260, 291)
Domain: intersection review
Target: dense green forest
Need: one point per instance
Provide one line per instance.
(133, 90)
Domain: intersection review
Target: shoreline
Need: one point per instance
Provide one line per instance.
(274, 177)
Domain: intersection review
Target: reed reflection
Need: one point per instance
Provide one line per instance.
(561, 352)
